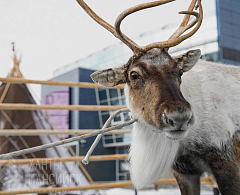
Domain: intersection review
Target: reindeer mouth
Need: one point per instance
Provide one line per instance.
(175, 134)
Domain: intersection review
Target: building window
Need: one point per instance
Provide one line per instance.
(102, 95)
(113, 97)
(213, 57)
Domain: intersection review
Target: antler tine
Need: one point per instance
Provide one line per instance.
(124, 14)
(186, 18)
(199, 18)
(131, 44)
(182, 28)
(176, 39)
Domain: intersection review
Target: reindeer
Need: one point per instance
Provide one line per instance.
(187, 118)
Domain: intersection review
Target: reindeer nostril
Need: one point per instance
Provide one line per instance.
(170, 121)
(179, 120)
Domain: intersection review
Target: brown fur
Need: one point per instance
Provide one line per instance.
(159, 85)
(237, 145)
(188, 184)
(223, 164)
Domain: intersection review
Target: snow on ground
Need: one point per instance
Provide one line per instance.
(120, 191)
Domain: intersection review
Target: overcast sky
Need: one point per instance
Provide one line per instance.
(50, 34)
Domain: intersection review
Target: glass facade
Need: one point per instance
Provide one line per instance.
(229, 30)
(121, 142)
(113, 97)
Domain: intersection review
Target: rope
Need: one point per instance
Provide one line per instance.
(85, 160)
(69, 140)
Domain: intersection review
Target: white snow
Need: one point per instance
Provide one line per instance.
(121, 191)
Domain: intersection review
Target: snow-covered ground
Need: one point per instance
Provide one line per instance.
(120, 191)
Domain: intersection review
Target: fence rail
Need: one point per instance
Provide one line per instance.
(204, 181)
(7, 106)
(57, 160)
(59, 83)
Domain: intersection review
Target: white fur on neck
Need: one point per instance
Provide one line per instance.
(151, 155)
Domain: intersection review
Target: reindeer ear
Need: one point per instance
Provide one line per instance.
(110, 77)
(187, 60)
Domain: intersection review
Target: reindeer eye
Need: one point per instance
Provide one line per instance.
(181, 72)
(134, 75)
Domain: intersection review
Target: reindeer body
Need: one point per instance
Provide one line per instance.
(187, 121)
(213, 90)
(213, 142)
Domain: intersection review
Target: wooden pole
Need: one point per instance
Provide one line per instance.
(59, 83)
(30, 132)
(64, 159)
(4, 92)
(6, 106)
(92, 186)
(205, 181)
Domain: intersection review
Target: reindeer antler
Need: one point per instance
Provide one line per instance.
(174, 40)
(131, 44)
(124, 14)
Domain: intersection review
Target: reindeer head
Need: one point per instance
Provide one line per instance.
(152, 76)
